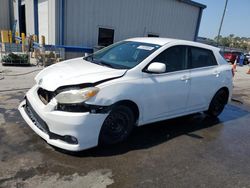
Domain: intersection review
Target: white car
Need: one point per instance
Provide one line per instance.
(79, 103)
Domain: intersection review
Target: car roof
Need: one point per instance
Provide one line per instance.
(152, 40)
(164, 41)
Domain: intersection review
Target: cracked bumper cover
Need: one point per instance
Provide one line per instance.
(85, 127)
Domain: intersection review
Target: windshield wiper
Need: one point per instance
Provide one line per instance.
(89, 58)
(104, 64)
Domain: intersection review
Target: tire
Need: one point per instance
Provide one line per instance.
(218, 103)
(117, 126)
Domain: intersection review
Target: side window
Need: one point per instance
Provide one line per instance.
(174, 58)
(201, 58)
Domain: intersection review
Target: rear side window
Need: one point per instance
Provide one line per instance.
(222, 53)
(174, 58)
(201, 58)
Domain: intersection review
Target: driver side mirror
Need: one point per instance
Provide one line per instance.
(156, 67)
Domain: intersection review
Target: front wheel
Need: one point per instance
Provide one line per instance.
(218, 103)
(117, 126)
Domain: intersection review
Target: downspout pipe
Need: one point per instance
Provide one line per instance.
(198, 24)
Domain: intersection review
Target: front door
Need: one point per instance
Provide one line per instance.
(167, 93)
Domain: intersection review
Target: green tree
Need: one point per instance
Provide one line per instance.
(225, 41)
(234, 41)
(231, 40)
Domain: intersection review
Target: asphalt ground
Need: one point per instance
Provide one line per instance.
(192, 151)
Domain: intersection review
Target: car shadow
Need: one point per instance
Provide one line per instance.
(157, 133)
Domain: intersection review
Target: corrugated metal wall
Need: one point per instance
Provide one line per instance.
(130, 18)
(5, 13)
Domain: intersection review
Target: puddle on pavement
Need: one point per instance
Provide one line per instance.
(21, 143)
(232, 112)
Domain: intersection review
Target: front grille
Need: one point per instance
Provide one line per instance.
(36, 118)
(72, 108)
(44, 95)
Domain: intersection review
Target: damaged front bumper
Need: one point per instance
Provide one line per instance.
(67, 130)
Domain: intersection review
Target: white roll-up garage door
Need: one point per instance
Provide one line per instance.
(43, 20)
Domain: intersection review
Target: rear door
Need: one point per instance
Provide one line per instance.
(204, 77)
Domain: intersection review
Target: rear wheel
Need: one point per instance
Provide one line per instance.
(117, 126)
(218, 103)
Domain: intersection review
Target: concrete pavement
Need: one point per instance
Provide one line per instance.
(192, 151)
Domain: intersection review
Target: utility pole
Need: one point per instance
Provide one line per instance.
(222, 19)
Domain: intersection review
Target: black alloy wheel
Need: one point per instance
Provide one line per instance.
(218, 103)
(117, 126)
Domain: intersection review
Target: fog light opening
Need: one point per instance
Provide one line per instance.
(70, 139)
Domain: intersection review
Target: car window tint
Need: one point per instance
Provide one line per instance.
(202, 58)
(174, 58)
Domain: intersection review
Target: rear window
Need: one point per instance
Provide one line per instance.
(223, 54)
(202, 58)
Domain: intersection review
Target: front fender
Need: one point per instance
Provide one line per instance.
(112, 93)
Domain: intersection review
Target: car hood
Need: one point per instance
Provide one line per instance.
(73, 72)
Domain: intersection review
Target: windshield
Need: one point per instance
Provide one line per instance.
(123, 55)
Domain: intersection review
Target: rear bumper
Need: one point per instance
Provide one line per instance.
(85, 127)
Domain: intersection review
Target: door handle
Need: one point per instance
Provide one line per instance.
(185, 78)
(216, 73)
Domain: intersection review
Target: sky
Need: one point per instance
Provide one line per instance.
(236, 21)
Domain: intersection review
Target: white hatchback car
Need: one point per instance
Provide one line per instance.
(79, 103)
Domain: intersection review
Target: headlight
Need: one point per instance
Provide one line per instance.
(76, 95)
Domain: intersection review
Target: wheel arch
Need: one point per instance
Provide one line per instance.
(226, 90)
(216, 105)
(132, 105)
